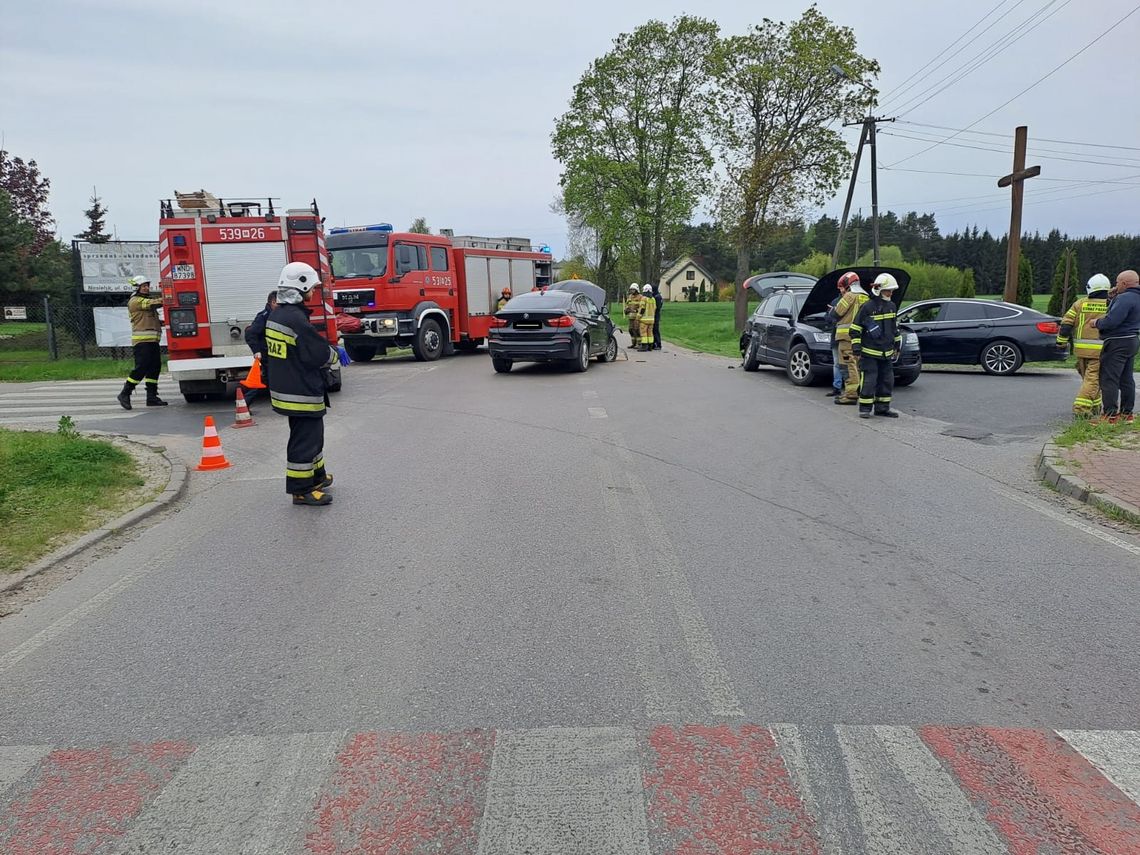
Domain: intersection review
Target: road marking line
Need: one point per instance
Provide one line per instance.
(589, 394)
(1075, 523)
(965, 829)
(1115, 752)
(597, 412)
(17, 760)
(816, 766)
(563, 791)
(242, 795)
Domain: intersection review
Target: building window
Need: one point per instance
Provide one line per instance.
(690, 275)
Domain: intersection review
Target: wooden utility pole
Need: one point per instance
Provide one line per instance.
(1017, 179)
(1065, 290)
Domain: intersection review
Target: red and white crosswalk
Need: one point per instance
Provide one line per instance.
(689, 790)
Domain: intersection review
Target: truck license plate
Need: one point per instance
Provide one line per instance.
(183, 271)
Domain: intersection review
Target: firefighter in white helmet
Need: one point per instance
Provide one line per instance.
(875, 339)
(633, 315)
(1087, 345)
(298, 357)
(146, 332)
(648, 314)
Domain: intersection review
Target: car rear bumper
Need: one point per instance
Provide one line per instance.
(556, 348)
(1043, 352)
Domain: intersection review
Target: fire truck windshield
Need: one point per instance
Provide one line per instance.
(359, 262)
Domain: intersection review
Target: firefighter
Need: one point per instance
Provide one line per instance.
(657, 301)
(504, 297)
(298, 357)
(255, 339)
(875, 339)
(146, 330)
(648, 315)
(1087, 345)
(633, 315)
(851, 300)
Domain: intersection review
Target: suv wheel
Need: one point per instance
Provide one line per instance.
(752, 354)
(799, 365)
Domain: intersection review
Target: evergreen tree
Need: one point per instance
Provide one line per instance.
(1024, 282)
(968, 288)
(96, 221)
(1060, 301)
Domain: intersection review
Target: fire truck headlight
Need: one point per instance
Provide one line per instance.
(389, 322)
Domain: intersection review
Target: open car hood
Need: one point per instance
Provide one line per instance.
(581, 286)
(827, 288)
(766, 283)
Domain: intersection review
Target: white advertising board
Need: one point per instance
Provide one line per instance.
(107, 266)
(113, 327)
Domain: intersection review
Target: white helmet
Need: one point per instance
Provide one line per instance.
(1099, 282)
(634, 287)
(297, 280)
(884, 282)
(647, 289)
(139, 281)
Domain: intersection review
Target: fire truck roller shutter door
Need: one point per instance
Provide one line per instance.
(478, 279)
(522, 275)
(237, 276)
(500, 269)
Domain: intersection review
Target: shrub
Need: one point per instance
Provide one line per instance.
(968, 288)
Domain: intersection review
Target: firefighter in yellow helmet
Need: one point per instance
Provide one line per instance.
(633, 315)
(504, 297)
(1087, 345)
(852, 300)
(146, 331)
(875, 339)
(648, 314)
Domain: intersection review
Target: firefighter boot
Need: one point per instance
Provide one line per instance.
(124, 397)
(326, 482)
(314, 498)
(152, 399)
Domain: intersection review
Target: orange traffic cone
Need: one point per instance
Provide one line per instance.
(212, 456)
(253, 379)
(242, 418)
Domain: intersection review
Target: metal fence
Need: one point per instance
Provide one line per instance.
(45, 331)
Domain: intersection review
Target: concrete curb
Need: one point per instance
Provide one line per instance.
(175, 487)
(1053, 470)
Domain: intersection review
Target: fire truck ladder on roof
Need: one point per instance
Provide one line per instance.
(203, 204)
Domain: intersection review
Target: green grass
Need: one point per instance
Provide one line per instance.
(1082, 431)
(50, 486)
(15, 328)
(707, 327)
(29, 366)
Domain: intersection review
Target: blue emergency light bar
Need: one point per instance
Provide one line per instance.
(375, 227)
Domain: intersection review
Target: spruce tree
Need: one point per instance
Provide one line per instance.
(96, 217)
(1025, 283)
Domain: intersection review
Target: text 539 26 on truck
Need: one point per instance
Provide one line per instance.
(432, 293)
(218, 261)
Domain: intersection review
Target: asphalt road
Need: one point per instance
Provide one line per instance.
(658, 605)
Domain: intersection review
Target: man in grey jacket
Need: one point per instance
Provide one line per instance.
(1119, 330)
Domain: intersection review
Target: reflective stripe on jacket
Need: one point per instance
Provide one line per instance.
(633, 307)
(845, 311)
(298, 354)
(876, 330)
(1080, 317)
(145, 323)
(648, 309)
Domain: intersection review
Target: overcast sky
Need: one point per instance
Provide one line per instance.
(386, 111)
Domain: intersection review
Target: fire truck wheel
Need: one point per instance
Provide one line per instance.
(428, 344)
(360, 352)
(501, 365)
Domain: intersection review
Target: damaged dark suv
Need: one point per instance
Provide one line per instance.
(789, 329)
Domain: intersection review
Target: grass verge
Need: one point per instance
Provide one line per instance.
(51, 485)
(30, 367)
(1082, 430)
(707, 327)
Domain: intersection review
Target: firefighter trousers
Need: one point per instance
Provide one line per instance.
(148, 365)
(634, 332)
(878, 381)
(305, 468)
(849, 367)
(1088, 400)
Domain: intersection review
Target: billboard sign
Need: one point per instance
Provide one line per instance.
(107, 266)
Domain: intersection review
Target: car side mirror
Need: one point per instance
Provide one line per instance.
(785, 314)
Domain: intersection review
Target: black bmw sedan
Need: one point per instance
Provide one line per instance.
(556, 325)
(998, 336)
(788, 329)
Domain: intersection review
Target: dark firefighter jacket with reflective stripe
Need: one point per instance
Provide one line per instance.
(297, 356)
(1080, 317)
(145, 322)
(876, 329)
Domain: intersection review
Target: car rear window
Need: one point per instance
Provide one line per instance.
(964, 312)
(997, 313)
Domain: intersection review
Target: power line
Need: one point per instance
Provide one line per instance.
(902, 87)
(1038, 153)
(1006, 136)
(1016, 34)
(1040, 80)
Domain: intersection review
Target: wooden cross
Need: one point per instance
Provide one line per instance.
(1017, 179)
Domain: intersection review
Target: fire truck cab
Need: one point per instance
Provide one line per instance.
(432, 293)
(219, 259)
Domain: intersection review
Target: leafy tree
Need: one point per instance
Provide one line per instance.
(96, 219)
(28, 194)
(1063, 293)
(777, 102)
(968, 288)
(419, 226)
(634, 161)
(1024, 282)
(16, 237)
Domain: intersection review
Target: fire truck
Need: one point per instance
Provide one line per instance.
(219, 259)
(433, 293)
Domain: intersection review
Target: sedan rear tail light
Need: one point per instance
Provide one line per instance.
(560, 321)
(1048, 327)
(499, 322)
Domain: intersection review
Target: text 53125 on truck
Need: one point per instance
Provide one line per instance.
(218, 261)
(432, 293)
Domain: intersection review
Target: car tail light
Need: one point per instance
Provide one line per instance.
(1048, 327)
(560, 321)
(499, 322)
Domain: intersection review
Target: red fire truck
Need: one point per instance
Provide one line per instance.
(218, 261)
(433, 293)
